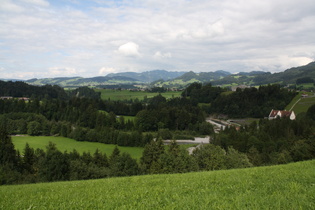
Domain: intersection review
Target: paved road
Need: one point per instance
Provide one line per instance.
(197, 140)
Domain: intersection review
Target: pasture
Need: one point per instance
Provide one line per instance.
(66, 144)
(122, 95)
(299, 104)
(288, 186)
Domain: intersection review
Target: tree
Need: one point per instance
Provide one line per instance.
(29, 159)
(210, 157)
(55, 166)
(34, 128)
(7, 152)
(124, 165)
(235, 159)
(150, 160)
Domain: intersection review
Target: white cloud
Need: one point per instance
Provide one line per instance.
(67, 71)
(159, 55)
(85, 36)
(42, 3)
(7, 5)
(129, 49)
(107, 70)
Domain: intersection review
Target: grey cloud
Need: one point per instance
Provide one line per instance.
(181, 35)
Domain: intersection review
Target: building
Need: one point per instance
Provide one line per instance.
(280, 113)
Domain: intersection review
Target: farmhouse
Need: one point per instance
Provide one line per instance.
(242, 87)
(280, 113)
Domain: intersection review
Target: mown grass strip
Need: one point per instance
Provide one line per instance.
(66, 144)
(289, 186)
(122, 95)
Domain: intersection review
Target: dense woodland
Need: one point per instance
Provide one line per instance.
(81, 115)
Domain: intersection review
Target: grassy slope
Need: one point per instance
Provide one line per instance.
(289, 186)
(302, 104)
(64, 144)
(115, 95)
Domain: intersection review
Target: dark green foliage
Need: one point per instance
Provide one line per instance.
(252, 102)
(177, 160)
(85, 92)
(55, 166)
(124, 165)
(202, 93)
(272, 141)
(21, 89)
(210, 157)
(304, 80)
(150, 160)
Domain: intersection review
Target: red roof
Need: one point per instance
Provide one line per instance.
(274, 113)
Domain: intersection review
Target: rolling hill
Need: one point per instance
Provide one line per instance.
(288, 186)
(179, 79)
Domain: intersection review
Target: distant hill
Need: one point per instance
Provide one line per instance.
(80, 81)
(149, 76)
(190, 77)
(126, 78)
(254, 78)
(181, 79)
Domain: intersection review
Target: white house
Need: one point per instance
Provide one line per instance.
(280, 113)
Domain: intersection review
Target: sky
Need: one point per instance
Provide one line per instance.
(65, 38)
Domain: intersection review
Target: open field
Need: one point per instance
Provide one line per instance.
(66, 144)
(116, 95)
(289, 186)
(299, 104)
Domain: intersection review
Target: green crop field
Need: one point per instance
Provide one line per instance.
(66, 144)
(299, 104)
(289, 186)
(116, 95)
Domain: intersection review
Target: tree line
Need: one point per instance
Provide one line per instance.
(38, 165)
(250, 102)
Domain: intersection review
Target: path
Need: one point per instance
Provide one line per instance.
(295, 104)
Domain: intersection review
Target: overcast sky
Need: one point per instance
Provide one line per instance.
(56, 38)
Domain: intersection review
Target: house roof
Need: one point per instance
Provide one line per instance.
(283, 113)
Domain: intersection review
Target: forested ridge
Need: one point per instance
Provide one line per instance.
(81, 115)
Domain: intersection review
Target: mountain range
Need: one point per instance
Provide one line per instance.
(178, 79)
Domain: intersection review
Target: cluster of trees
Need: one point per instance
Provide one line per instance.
(84, 117)
(252, 102)
(202, 93)
(50, 165)
(304, 80)
(21, 89)
(272, 141)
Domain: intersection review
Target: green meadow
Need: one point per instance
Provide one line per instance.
(121, 95)
(299, 104)
(290, 186)
(66, 144)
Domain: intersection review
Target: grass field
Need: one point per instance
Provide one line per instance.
(66, 144)
(289, 186)
(299, 104)
(116, 95)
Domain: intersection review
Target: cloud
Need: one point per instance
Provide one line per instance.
(107, 70)
(86, 36)
(129, 49)
(159, 55)
(42, 3)
(8, 6)
(67, 71)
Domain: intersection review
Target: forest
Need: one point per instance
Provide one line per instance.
(82, 115)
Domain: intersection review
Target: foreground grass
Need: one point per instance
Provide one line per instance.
(289, 186)
(122, 95)
(66, 144)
